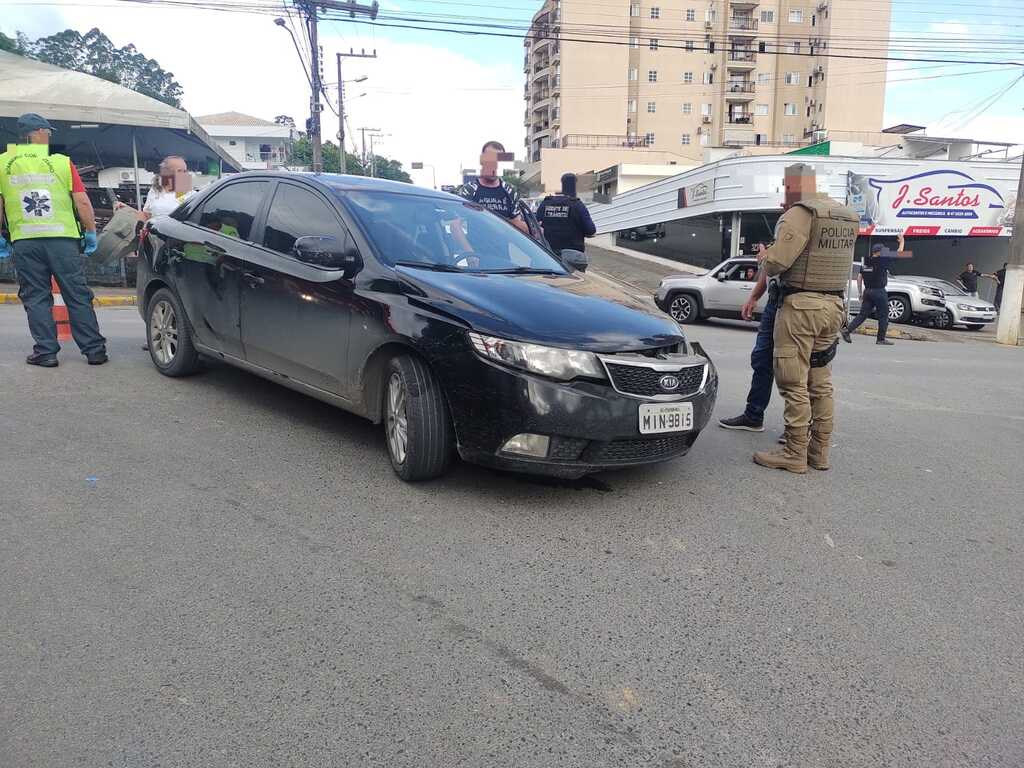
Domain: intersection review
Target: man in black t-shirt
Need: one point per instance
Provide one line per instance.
(969, 279)
(490, 192)
(871, 282)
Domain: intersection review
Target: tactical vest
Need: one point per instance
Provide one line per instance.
(827, 258)
(36, 188)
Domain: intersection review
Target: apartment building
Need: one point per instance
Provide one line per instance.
(674, 77)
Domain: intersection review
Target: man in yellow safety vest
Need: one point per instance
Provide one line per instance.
(42, 201)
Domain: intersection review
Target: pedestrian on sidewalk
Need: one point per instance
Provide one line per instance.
(42, 201)
(871, 286)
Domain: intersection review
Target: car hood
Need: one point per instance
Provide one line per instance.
(576, 311)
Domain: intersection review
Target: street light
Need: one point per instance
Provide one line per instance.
(283, 25)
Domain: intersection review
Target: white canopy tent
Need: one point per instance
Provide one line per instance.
(102, 124)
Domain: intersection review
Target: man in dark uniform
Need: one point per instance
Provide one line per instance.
(565, 219)
(1000, 276)
(871, 283)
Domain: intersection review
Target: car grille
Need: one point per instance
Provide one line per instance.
(651, 448)
(644, 382)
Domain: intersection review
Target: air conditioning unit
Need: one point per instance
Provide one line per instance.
(820, 135)
(706, 119)
(709, 25)
(819, 70)
(700, 131)
(714, 67)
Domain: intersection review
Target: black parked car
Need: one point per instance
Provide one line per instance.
(423, 311)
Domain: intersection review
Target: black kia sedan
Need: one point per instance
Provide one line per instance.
(425, 312)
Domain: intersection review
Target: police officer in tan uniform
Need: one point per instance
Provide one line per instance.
(812, 257)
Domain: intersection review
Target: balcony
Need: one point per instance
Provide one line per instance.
(741, 58)
(541, 65)
(542, 75)
(603, 141)
(739, 91)
(742, 25)
(540, 96)
(556, 114)
(740, 120)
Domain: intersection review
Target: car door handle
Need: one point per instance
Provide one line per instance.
(253, 280)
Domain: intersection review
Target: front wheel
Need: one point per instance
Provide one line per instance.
(975, 327)
(416, 421)
(169, 336)
(899, 309)
(944, 320)
(684, 308)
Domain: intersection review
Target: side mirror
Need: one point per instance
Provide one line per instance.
(327, 252)
(720, 277)
(575, 260)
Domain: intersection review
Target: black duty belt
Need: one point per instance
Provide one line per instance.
(789, 291)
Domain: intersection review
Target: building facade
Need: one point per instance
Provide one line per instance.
(257, 144)
(689, 76)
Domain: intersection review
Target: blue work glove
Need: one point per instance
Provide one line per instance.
(5, 248)
(90, 243)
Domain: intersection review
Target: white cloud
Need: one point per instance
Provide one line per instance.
(437, 105)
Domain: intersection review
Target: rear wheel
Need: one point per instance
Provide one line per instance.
(169, 336)
(683, 308)
(899, 309)
(416, 422)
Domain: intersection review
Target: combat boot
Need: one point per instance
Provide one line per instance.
(791, 457)
(818, 449)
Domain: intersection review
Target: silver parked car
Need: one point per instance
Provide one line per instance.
(720, 292)
(961, 307)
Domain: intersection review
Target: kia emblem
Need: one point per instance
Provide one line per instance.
(669, 383)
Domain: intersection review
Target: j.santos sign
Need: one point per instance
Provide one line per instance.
(943, 202)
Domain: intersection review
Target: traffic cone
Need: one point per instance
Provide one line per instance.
(60, 313)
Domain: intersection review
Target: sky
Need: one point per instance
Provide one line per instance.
(437, 97)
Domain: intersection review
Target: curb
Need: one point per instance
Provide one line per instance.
(99, 301)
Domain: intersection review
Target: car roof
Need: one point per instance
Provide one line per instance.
(345, 183)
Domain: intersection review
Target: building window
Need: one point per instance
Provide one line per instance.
(689, 45)
(649, 139)
(632, 106)
(709, 15)
(763, 78)
(788, 138)
(792, 78)
(820, 106)
(796, 16)
(686, 138)
(814, 20)
(705, 110)
(761, 110)
(790, 109)
(634, 74)
(687, 108)
(704, 139)
(651, 107)
(634, 42)
(711, 46)
(709, 78)
(691, 14)
(767, 17)
(634, 10)
(653, 43)
(810, 81)
(652, 75)
(232, 142)
(655, 12)
(793, 48)
(687, 77)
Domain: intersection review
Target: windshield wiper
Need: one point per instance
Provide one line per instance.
(523, 271)
(429, 265)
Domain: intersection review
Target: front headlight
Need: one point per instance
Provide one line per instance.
(932, 291)
(556, 363)
(965, 307)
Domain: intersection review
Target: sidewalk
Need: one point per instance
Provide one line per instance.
(105, 297)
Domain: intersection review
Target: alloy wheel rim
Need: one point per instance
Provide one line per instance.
(397, 419)
(895, 309)
(681, 309)
(163, 332)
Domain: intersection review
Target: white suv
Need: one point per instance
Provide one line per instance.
(719, 292)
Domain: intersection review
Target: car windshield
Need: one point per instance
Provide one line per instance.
(947, 288)
(448, 235)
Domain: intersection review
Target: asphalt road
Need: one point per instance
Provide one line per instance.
(220, 572)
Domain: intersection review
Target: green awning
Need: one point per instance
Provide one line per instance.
(824, 148)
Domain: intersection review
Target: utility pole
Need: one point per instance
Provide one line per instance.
(309, 9)
(341, 100)
(1008, 327)
(372, 132)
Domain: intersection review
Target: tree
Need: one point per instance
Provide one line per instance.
(93, 53)
(10, 44)
(514, 179)
(284, 120)
(302, 154)
(383, 168)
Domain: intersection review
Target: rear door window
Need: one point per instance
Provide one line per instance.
(232, 211)
(295, 213)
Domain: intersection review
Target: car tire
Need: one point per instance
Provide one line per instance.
(974, 327)
(899, 309)
(169, 336)
(944, 321)
(684, 308)
(417, 427)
